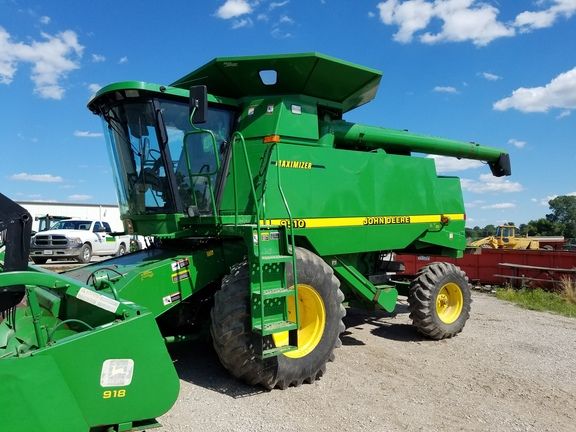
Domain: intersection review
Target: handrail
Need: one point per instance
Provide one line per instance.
(237, 136)
(251, 178)
(292, 240)
(257, 209)
(197, 131)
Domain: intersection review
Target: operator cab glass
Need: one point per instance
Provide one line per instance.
(505, 231)
(162, 164)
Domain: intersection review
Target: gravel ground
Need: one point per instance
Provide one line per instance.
(509, 370)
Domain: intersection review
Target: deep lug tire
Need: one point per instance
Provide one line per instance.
(439, 300)
(85, 254)
(235, 343)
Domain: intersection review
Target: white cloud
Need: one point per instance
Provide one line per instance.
(473, 21)
(563, 114)
(517, 143)
(462, 20)
(529, 20)
(544, 201)
(275, 5)
(233, 9)
(279, 34)
(123, 60)
(45, 20)
(87, 134)
(51, 59)
(474, 203)
(445, 89)
(467, 20)
(240, 23)
(410, 16)
(490, 76)
(445, 164)
(558, 93)
(94, 87)
(79, 197)
(262, 17)
(97, 58)
(487, 183)
(505, 205)
(371, 14)
(42, 178)
(285, 20)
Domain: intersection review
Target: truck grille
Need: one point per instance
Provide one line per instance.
(53, 240)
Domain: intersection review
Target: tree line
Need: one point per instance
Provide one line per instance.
(561, 221)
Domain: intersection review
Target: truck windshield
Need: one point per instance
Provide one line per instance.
(72, 225)
(155, 178)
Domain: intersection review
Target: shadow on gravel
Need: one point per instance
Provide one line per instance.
(383, 327)
(197, 363)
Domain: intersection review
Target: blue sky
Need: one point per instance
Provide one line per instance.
(500, 73)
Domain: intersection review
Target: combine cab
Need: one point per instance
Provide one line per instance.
(268, 210)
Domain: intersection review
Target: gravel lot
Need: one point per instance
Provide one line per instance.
(509, 370)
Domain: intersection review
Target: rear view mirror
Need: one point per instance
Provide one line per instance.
(198, 103)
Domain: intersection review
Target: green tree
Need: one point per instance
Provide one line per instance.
(563, 215)
(542, 227)
(488, 230)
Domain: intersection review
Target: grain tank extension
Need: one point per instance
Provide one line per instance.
(268, 212)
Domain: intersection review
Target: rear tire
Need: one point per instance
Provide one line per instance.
(235, 342)
(439, 300)
(85, 254)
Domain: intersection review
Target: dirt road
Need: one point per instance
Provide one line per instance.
(510, 370)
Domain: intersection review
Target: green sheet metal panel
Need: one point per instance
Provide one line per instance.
(289, 117)
(382, 202)
(61, 387)
(309, 74)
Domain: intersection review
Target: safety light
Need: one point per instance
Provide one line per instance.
(271, 139)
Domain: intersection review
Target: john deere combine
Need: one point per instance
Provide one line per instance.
(268, 210)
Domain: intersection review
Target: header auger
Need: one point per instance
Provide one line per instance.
(268, 210)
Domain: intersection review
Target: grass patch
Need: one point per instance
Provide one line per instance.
(568, 286)
(539, 300)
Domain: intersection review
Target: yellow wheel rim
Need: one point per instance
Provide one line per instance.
(449, 303)
(312, 316)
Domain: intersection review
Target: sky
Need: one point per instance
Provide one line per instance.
(499, 73)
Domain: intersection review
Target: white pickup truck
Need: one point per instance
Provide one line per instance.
(77, 239)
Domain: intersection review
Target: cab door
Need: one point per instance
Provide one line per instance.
(105, 244)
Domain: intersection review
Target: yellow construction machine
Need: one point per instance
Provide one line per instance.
(505, 238)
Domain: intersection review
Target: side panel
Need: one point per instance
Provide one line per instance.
(160, 279)
(349, 201)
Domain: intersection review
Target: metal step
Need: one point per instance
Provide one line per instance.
(273, 293)
(275, 327)
(273, 352)
(271, 259)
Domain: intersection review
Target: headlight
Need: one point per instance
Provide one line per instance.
(75, 242)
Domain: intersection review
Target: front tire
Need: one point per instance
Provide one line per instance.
(439, 300)
(320, 303)
(121, 250)
(85, 254)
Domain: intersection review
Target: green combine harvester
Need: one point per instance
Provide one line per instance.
(268, 211)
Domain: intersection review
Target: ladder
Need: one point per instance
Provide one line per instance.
(273, 298)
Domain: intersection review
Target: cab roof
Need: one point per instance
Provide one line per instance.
(311, 74)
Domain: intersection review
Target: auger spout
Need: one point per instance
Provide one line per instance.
(356, 135)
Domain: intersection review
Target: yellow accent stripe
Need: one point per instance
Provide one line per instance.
(363, 220)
